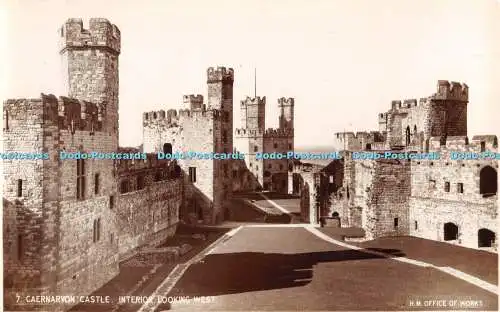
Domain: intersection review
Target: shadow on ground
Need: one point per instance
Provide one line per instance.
(221, 274)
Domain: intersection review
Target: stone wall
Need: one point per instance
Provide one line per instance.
(148, 216)
(453, 191)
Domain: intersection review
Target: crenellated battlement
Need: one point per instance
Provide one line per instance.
(405, 103)
(220, 74)
(453, 90)
(278, 133)
(478, 143)
(286, 101)
(174, 118)
(253, 101)
(375, 135)
(267, 133)
(67, 113)
(101, 34)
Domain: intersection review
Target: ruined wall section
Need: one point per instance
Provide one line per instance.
(450, 191)
(389, 199)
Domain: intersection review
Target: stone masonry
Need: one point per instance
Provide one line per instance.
(253, 138)
(439, 199)
(66, 226)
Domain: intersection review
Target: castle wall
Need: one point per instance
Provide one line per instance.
(150, 215)
(436, 192)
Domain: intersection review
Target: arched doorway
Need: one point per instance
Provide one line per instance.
(450, 231)
(485, 238)
(488, 181)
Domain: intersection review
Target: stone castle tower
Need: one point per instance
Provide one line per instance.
(90, 66)
(62, 236)
(253, 138)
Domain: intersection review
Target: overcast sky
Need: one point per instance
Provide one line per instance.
(343, 61)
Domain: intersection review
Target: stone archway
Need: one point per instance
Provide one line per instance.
(485, 238)
(450, 231)
(488, 181)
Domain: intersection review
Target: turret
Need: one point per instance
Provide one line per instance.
(253, 113)
(90, 65)
(286, 113)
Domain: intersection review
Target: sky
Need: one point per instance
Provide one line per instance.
(342, 61)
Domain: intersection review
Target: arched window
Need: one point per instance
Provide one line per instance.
(415, 130)
(485, 238)
(450, 231)
(488, 181)
(335, 214)
(167, 148)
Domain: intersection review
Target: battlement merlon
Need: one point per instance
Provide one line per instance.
(253, 101)
(101, 34)
(220, 74)
(286, 101)
(194, 102)
(453, 90)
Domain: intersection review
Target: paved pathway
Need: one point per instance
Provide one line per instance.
(297, 267)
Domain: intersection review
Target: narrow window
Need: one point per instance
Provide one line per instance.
(124, 187)
(97, 230)
(396, 222)
(235, 173)
(111, 202)
(80, 179)
(416, 225)
(255, 148)
(483, 146)
(275, 145)
(331, 179)
(6, 119)
(140, 182)
(460, 187)
(224, 136)
(111, 238)
(290, 146)
(446, 186)
(96, 184)
(225, 171)
(19, 188)
(192, 174)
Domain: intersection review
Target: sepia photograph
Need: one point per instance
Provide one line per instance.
(249, 155)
